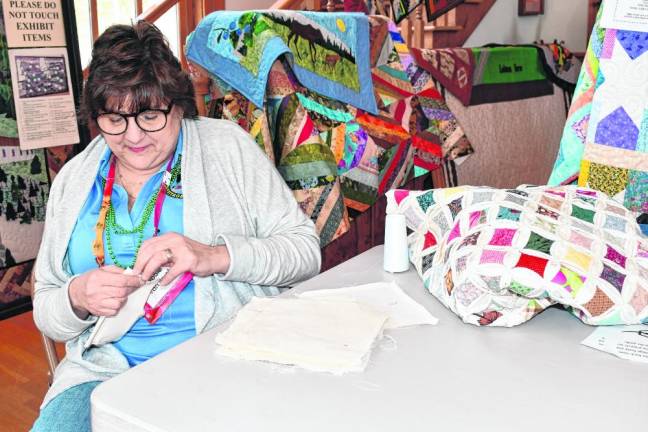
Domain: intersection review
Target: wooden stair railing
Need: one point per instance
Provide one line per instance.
(454, 28)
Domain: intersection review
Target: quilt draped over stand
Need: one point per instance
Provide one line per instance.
(605, 140)
(337, 155)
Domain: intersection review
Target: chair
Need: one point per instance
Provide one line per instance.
(48, 344)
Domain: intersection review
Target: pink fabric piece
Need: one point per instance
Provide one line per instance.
(639, 299)
(456, 232)
(560, 278)
(580, 240)
(473, 219)
(553, 192)
(587, 193)
(503, 237)
(614, 256)
(608, 44)
(400, 195)
(492, 257)
(643, 253)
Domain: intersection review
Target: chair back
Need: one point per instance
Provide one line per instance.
(48, 344)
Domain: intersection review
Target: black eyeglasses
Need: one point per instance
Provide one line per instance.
(149, 120)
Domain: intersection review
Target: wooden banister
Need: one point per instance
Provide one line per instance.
(288, 4)
(154, 12)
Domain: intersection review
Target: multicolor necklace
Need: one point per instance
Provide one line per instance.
(107, 221)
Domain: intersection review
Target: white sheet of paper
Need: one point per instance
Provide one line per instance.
(387, 297)
(322, 335)
(625, 15)
(622, 341)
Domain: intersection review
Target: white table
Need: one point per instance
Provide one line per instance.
(449, 377)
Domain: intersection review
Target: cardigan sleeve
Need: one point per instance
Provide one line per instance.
(53, 313)
(285, 246)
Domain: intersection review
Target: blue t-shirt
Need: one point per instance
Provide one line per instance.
(177, 324)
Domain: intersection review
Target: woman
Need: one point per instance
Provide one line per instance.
(157, 189)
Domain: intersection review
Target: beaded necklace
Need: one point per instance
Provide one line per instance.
(107, 221)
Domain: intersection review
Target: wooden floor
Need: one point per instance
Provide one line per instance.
(23, 373)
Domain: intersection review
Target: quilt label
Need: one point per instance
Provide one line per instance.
(625, 15)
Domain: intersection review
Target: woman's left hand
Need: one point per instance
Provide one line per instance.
(181, 254)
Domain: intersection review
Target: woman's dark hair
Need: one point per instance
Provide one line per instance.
(135, 63)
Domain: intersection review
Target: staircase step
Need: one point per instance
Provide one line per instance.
(442, 28)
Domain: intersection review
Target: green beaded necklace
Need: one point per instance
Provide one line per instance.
(113, 227)
(175, 172)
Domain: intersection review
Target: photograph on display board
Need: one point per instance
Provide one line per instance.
(8, 126)
(402, 8)
(40, 76)
(436, 8)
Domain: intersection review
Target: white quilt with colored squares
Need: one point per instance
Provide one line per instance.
(499, 257)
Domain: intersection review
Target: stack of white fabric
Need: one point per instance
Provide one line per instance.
(327, 330)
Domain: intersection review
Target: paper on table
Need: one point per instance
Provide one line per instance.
(388, 297)
(322, 335)
(626, 342)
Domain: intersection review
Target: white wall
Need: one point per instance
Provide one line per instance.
(248, 4)
(563, 20)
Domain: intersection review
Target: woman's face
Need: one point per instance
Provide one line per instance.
(142, 151)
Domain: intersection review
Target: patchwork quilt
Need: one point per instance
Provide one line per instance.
(336, 157)
(499, 257)
(325, 51)
(489, 74)
(605, 140)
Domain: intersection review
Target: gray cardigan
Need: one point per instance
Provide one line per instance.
(232, 196)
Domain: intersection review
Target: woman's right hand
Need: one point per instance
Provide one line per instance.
(102, 291)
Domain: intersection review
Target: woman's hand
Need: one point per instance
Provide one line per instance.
(102, 292)
(181, 254)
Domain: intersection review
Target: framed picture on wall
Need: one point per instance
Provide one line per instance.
(436, 8)
(530, 7)
(402, 8)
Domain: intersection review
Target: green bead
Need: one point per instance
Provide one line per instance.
(113, 227)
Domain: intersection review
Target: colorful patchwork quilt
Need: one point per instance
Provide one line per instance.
(605, 140)
(336, 157)
(499, 257)
(327, 51)
(489, 74)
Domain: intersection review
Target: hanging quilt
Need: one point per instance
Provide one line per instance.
(615, 158)
(336, 157)
(605, 141)
(489, 74)
(567, 165)
(326, 51)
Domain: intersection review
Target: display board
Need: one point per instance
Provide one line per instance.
(49, 70)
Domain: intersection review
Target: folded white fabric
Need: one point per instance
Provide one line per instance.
(387, 297)
(322, 335)
(110, 329)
